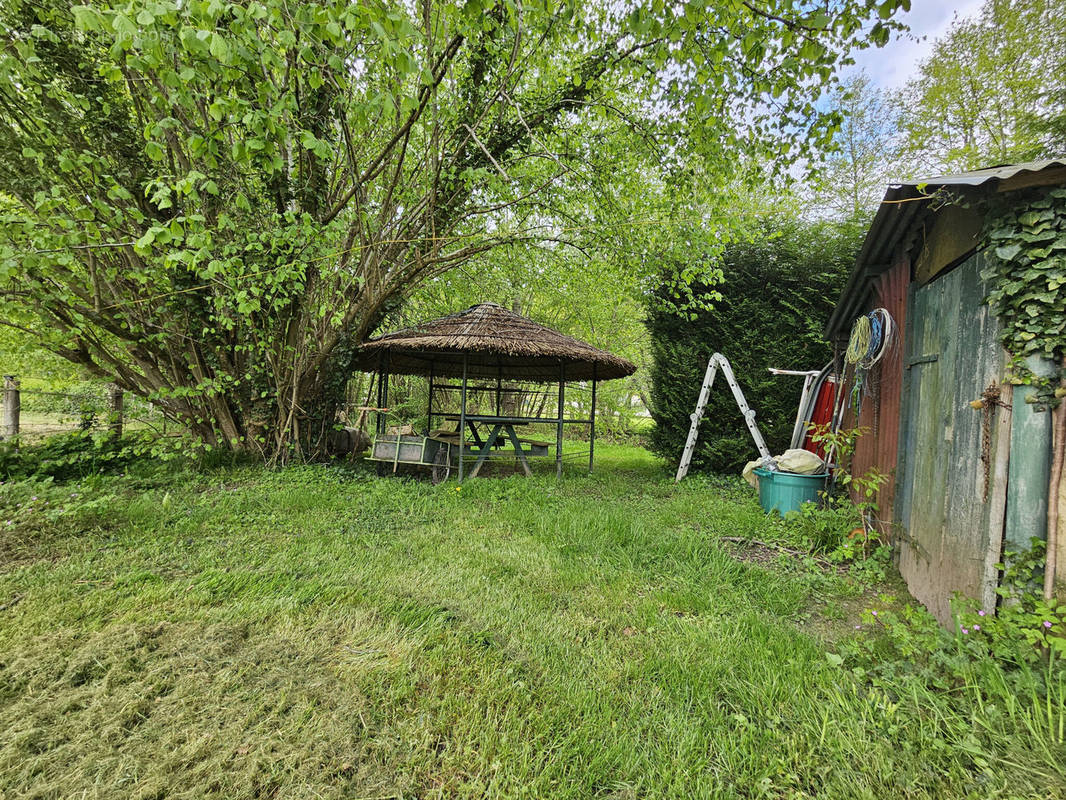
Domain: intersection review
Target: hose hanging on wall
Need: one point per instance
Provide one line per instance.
(871, 337)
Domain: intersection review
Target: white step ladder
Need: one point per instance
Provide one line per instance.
(719, 361)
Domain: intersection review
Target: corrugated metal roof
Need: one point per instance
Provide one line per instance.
(980, 176)
(900, 207)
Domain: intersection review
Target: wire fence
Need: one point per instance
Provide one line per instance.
(33, 414)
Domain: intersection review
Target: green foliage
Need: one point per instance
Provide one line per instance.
(1026, 250)
(84, 452)
(38, 369)
(1051, 127)
(826, 527)
(989, 89)
(840, 528)
(1025, 615)
(1018, 649)
(1005, 670)
(214, 203)
(839, 445)
(778, 288)
(579, 286)
(63, 400)
(851, 178)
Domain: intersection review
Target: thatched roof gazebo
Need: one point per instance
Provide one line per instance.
(488, 338)
(488, 342)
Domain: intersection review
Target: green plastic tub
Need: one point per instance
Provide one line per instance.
(786, 491)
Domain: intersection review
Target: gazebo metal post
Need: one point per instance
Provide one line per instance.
(499, 386)
(384, 404)
(592, 422)
(462, 420)
(559, 422)
(377, 401)
(429, 404)
(379, 416)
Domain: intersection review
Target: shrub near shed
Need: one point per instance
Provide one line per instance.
(778, 289)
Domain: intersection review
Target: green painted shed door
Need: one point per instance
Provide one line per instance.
(952, 354)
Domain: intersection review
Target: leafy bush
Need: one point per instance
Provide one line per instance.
(80, 453)
(992, 679)
(822, 529)
(1026, 271)
(839, 529)
(778, 290)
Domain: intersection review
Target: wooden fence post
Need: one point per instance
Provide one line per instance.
(12, 406)
(114, 402)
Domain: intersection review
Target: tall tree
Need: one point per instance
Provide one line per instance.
(216, 202)
(989, 89)
(854, 173)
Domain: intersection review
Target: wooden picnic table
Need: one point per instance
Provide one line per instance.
(496, 426)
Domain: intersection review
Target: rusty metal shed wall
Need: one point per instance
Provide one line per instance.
(880, 410)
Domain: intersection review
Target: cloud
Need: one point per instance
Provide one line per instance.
(890, 67)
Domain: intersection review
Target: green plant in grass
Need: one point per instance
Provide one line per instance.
(1006, 670)
(825, 528)
(841, 528)
(1024, 616)
(84, 452)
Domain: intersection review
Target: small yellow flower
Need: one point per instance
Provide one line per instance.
(458, 488)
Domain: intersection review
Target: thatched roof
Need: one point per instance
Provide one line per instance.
(496, 343)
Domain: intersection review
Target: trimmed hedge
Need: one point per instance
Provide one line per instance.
(778, 290)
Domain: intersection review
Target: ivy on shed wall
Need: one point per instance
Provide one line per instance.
(1025, 240)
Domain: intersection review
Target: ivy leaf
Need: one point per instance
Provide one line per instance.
(1031, 218)
(1008, 252)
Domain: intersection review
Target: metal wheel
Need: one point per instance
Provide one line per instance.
(442, 466)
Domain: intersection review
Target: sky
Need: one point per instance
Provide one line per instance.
(890, 66)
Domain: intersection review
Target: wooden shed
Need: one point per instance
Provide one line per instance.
(964, 482)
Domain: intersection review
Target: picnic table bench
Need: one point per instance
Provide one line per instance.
(496, 426)
(440, 449)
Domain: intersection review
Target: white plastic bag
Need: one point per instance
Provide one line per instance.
(749, 473)
(801, 462)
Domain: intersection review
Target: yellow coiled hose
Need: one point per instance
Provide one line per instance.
(859, 341)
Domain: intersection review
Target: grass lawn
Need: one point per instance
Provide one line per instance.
(34, 426)
(324, 633)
